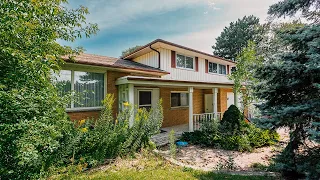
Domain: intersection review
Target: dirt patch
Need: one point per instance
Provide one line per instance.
(210, 158)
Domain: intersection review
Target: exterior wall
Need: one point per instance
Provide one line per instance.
(151, 59)
(178, 116)
(222, 99)
(74, 116)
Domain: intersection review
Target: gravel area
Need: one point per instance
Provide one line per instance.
(212, 159)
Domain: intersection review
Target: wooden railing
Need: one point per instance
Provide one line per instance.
(199, 119)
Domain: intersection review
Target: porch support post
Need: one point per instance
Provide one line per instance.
(190, 89)
(235, 98)
(131, 102)
(215, 102)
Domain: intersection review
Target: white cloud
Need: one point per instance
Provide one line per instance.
(109, 14)
(232, 10)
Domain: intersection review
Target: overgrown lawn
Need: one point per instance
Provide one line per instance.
(149, 166)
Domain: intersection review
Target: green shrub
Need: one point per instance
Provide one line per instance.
(105, 138)
(172, 141)
(231, 134)
(231, 121)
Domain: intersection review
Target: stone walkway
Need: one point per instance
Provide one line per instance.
(162, 139)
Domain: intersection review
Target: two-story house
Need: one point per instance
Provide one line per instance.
(192, 84)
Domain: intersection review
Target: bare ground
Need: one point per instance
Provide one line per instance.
(210, 158)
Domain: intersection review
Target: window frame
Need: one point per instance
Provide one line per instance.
(185, 59)
(177, 107)
(72, 108)
(138, 100)
(218, 69)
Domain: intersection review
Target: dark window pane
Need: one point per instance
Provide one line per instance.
(222, 69)
(213, 67)
(179, 99)
(189, 62)
(180, 61)
(144, 97)
(89, 88)
(63, 82)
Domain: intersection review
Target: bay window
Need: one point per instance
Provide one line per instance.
(88, 88)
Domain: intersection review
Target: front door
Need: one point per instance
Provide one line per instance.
(208, 103)
(230, 99)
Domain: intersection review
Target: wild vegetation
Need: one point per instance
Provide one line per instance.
(148, 166)
(232, 133)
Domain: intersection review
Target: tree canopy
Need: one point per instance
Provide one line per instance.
(130, 50)
(33, 122)
(235, 37)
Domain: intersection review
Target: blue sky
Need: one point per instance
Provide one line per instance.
(192, 23)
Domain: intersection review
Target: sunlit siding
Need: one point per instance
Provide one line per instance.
(188, 75)
(150, 59)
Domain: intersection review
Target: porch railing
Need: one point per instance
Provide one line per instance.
(199, 119)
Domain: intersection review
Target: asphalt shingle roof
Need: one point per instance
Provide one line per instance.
(98, 60)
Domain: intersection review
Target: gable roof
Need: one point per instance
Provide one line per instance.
(111, 62)
(130, 55)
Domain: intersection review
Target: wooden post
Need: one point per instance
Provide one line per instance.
(131, 102)
(190, 89)
(215, 102)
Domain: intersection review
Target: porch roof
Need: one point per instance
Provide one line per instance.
(151, 81)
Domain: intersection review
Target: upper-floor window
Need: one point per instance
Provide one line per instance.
(222, 69)
(185, 62)
(217, 68)
(87, 86)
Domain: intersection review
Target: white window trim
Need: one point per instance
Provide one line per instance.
(193, 61)
(145, 90)
(218, 68)
(177, 107)
(72, 108)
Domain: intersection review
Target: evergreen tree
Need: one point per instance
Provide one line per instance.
(235, 37)
(289, 86)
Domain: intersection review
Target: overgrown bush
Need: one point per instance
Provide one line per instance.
(105, 138)
(231, 133)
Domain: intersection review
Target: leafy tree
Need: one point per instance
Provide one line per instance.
(130, 50)
(289, 86)
(235, 37)
(34, 127)
(247, 63)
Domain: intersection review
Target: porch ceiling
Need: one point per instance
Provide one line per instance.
(137, 80)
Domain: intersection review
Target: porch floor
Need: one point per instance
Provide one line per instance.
(162, 139)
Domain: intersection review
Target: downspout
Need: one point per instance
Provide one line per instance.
(158, 55)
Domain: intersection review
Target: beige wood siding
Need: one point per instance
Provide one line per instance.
(189, 75)
(150, 59)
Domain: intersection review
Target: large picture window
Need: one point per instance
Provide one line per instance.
(185, 62)
(88, 87)
(179, 99)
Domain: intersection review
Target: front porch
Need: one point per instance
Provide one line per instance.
(186, 105)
